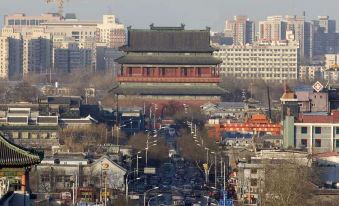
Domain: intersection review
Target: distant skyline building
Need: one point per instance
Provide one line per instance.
(20, 20)
(277, 61)
(331, 60)
(241, 29)
(70, 57)
(41, 43)
(4, 55)
(111, 32)
(10, 55)
(272, 29)
(303, 33)
(325, 39)
(329, 25)
(37, 52)
(311, 73)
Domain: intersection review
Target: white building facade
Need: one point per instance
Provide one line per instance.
(270, 62)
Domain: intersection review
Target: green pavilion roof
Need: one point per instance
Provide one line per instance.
(12, 155)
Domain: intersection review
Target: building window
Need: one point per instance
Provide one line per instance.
(317, 130)
(130, 71)
(148, 72)
(11, 22)
(254, 171)
(337, 130)
(44, 178)
(185, 72)
(162, 71)
(303, 130)
(337, 143)
(59, 178)
(304, 142)
(67, 178)
(318, 143)
(254, 182)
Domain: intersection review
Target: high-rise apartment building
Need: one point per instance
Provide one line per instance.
(37, 52)
(70, 57)
(241, 29)
(325, 37)
(303, 33)
(275, 28)
(40, 38)
(277, 61)
(11, 54)
(20, 20)
(4, 56)
(79, 30)
(329, 25)
(111, 32)
(272, 29)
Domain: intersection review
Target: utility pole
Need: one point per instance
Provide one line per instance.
(73, 189)
(137, 165)
(126, 188)
(215, 170)
(224, 176)
(105, 189)
(221, 170)
(76, 187)
(146, 155)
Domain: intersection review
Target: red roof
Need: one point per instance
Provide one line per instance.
(331, 118)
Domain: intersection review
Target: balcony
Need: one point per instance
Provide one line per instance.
(169, 79)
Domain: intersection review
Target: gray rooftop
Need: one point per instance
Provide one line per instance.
(169, 90)
(168, 39)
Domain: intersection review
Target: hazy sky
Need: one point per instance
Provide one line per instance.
(193, 13)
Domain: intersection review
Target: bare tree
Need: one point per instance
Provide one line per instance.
(286, 184)
(81, 139)
(22, 91)
(157, 153)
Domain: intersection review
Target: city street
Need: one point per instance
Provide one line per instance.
(177, 181)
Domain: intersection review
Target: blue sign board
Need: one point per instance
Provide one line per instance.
(225, 201)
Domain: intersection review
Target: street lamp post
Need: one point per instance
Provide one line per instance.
(159, 195)
(127, 182)
(207, 151)
(149, 144)
(138, 163)
(136, 171)
(105, 182)
(207, 171)
(154, 115)
(224, 176)
(215, 168)
(154, 143)
(145, 193)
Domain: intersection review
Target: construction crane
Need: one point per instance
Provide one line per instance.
(59, 4)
